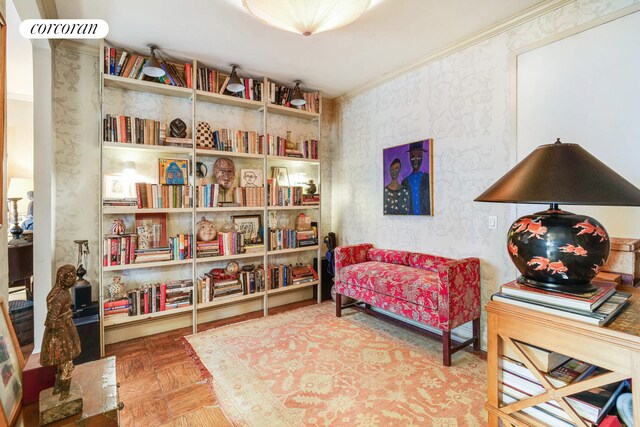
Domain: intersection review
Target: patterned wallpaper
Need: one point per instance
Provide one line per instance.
(76, 125)
(463, 102)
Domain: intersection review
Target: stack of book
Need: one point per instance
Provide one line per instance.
(310, 199)
(117, 202)
(154, 254)
(519, 383)
(119, 249)
(597, 307)
(116, 307)
(306, 238)
(207, 249)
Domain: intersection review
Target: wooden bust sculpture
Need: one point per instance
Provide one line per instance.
(61, 342)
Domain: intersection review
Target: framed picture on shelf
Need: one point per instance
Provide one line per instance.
(281, 176)
(251, 178)
(11, 365)
(118, 187)
(151, 229)
(408, 179)
(249, 226)
(173, 171)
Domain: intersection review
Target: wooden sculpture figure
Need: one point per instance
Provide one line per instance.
(61, 342)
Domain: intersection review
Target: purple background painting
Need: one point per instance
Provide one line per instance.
(402, 153)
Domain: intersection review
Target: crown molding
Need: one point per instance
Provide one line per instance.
(78, 46)
(502, 26)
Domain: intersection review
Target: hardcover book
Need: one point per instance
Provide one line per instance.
(587, 302)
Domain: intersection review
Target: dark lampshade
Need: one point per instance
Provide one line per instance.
(558, 250)
(297, 98)
(562, 173)
(152, 67)
(235, 85)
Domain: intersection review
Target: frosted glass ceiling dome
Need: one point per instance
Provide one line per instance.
(306, 17)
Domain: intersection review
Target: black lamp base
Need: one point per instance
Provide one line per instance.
(577, 288)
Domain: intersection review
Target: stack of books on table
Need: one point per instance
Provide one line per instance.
(208, 249)
(597, 307)
(519, 383)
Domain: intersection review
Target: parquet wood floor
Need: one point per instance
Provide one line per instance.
(160, 385)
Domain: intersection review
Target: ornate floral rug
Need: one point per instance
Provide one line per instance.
(307, 367)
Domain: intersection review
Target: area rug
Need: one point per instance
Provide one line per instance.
(307, 367)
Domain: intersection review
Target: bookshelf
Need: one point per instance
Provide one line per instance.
(614, 347)
(149, 100)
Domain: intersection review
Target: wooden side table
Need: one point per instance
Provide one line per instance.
(615, 347)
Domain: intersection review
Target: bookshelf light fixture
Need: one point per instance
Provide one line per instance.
(306, 17)
(152, 67)
(235, 85)
(297, 98)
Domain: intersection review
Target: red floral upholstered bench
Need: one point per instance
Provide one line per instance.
(440, 292)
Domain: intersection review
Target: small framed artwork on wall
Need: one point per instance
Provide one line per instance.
(408, 179)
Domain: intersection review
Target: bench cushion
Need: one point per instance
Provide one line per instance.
(427, 262)
(414, 285)
(388, 255)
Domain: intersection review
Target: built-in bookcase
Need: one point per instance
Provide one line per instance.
(162, 103)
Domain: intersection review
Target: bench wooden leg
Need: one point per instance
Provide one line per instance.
(338, 305)
(476, 334)
(446, 348)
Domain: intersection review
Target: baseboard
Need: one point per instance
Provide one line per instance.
(461, 333)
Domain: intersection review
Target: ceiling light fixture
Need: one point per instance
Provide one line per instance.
(235, 85)
(297, 98)
(152, 67)
(306, 17)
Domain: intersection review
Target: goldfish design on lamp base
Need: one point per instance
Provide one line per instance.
(558, 250)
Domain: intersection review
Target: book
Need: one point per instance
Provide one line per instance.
(539, 414)
(570, 371)
(601, 316)
(544, 360)
(587, 302)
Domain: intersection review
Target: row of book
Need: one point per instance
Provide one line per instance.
(207, 79)
(154, 196)
(252, 89)
(280, 195)
(132, 130)
(216, 248)
(249, 196)
(277, 146)
(123, 250)
(282, 275)
(236, 141)
(281, 95)
(597, 308)
(284, 238)
(244, 283)
(518, 383)
(130, 65)
(152, 298)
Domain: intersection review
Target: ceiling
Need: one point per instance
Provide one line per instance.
(391, 34)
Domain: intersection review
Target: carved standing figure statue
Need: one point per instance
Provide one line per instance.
(61, 342)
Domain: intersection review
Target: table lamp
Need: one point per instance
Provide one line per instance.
(557, 250)
(18, 188)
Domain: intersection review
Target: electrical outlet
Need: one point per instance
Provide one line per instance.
(493, 221)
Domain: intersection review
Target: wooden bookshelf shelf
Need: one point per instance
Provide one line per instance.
(171, 263)
(229, 300)
(121, 96)
(125, 83)
(218, 153)
(232, 101)
(118, 210)
(293, 208)
(229, 257)
(231, 209)
(293, 159)
(290, 251)
(292, 112)
(117, 320)
(160, 149)
(292, 287)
